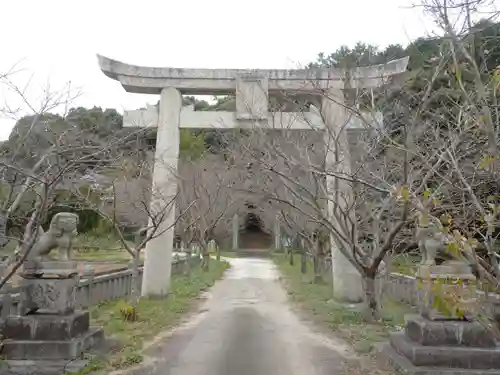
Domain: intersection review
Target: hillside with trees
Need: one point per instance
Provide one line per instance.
(85, 129)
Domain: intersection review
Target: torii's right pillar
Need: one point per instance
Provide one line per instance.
(347, 281)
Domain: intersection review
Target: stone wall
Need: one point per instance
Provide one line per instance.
(401, 288)
(397, 286)
(93, 290)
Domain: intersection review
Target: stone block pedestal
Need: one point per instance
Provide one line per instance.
(46, 327)
(51, 336)
(49, 296)
(433, 343)
(63, 350)
(428, 347)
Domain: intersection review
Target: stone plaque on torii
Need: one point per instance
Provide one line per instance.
(252, 88)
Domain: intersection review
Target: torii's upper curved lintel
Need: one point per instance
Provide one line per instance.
(143, 79)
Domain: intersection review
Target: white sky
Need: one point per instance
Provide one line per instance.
(57, 40)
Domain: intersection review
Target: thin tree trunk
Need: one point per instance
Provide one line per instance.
(303, 262)
(187, 265)
(205, 262)
(318, 272)
(134, 292)
(290, 258)
(218, 253)
(372, 308)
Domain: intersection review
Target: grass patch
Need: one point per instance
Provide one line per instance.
(94, 248)
(154, 316)
(102, 255)
(316, 299)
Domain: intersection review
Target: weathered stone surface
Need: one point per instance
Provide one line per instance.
(446, 356)
(436, 333)
(251, 97)
(46, 327)
(404, 366)
(56, 296)
(53, 350)
(5, 303)
(61, 233)
(50, 269)
(150, 80)
(41, 367)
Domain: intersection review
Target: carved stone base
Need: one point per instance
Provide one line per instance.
(443, 347)
(28, 367)
(52, 350)
(49, 269)
(46, 327)
(50, 296)
(446, 356)
(404, 366)
(448, 333)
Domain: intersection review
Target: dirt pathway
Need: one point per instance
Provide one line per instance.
(246, 327)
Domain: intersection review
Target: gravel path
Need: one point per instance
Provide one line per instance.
(246, 327)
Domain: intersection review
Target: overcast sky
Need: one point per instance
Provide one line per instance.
(57, 40)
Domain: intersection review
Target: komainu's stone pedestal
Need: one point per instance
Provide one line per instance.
(51, 336)
(448, 347)
(434, 343)
(39, 337)
(5, 296)
(49, 296)
(451, 283)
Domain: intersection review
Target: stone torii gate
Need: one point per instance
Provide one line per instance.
(252, 89)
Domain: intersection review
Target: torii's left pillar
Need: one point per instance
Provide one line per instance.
(158, 253)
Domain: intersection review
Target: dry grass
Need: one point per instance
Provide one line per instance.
(315, 300)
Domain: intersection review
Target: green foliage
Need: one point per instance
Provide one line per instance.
(199, 105)
(89, 219)
(425, 54)
(128, 312)
(484, 36)
(215, 142)
(191, 145)
(449, 296)
(103, 228)
(222, 103)
(361, 54)
(194, 143)
(96, 120)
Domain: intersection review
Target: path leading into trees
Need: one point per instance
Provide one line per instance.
(246, 327)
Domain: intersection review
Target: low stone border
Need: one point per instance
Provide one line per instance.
(94, 289)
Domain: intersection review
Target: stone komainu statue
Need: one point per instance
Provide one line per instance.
(61, 233)
(431, 239)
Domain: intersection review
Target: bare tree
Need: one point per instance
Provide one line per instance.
(207, 184)
(367, 205)
(28, 179)
(435, 159)
(45, 163)
(132, 194)
(464, 191)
